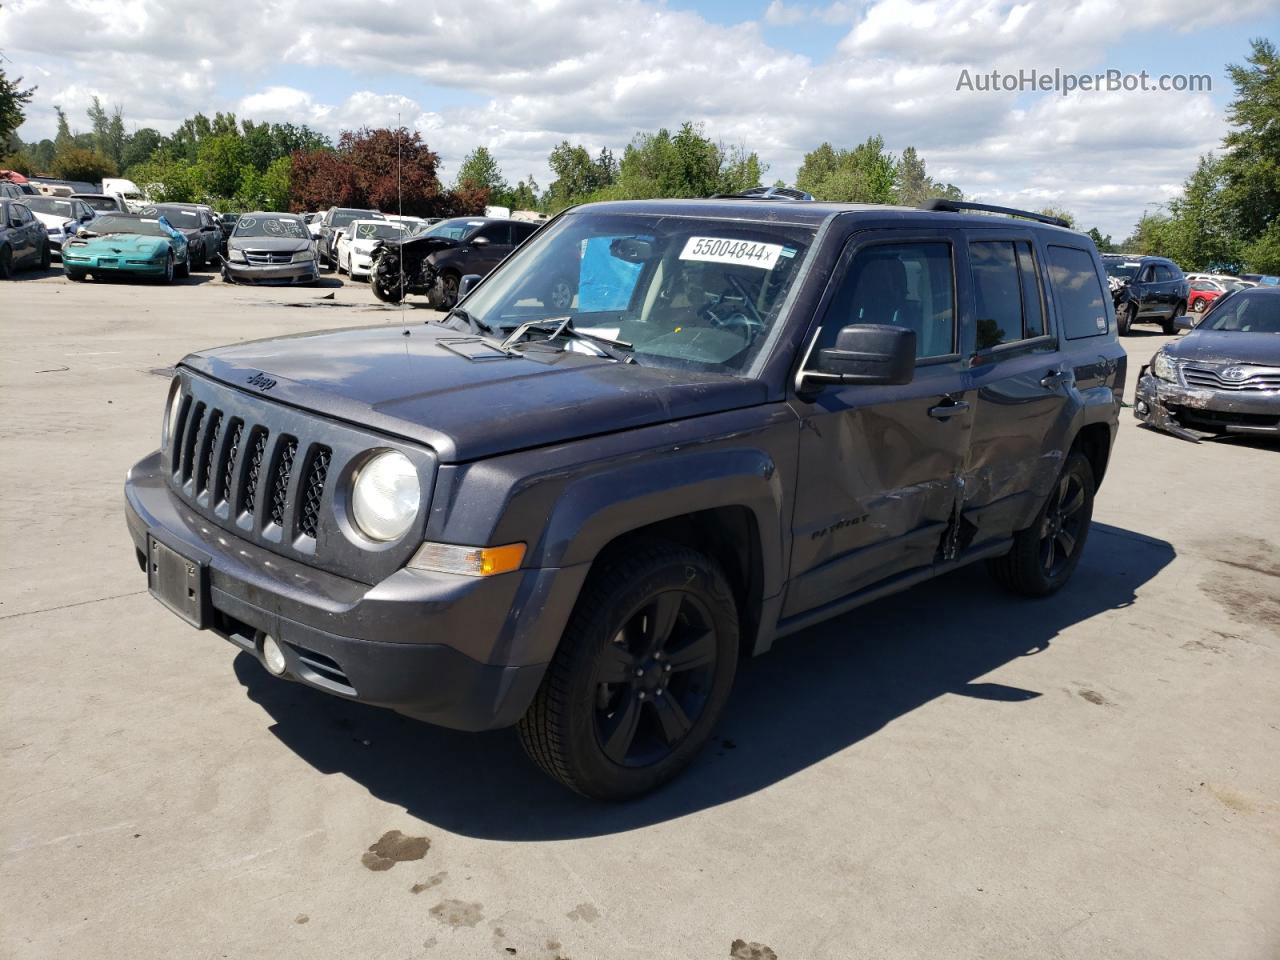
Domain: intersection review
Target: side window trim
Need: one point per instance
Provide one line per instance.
(1050, 336)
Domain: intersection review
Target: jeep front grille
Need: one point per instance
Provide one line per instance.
(313, 490)
(287, 450)
(269, 473)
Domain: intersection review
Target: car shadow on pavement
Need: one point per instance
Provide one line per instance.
(815, 694)
(37, 274)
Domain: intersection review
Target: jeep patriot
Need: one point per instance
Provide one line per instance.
(754, 414)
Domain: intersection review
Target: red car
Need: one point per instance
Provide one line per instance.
(1206, 290)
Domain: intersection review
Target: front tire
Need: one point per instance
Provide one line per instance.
(6, 263)
(448, 291)
(76, 275)
(641, 675)
(168, 269)
(1170, 326)
(46, 256)
(1126, 317)
(1045, 554)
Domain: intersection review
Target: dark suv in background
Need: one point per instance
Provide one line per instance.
(203, 233)
(753, 415)
(335, 220)
(1147, 290)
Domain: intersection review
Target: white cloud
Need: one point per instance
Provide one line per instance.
(596, 71)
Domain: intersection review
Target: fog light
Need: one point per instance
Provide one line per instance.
(1143, 408)
(272, 655)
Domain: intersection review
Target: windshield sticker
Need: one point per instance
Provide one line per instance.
(741, 253)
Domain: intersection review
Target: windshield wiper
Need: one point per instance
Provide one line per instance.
(476, 325)
(618, 350)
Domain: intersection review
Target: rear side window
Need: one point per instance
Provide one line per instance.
(1007, 292)
(1163, 273)
(494, 233)
(1079, 292)
(904, 284)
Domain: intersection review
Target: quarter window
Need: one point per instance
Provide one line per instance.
(1079, 292)
(903, 284)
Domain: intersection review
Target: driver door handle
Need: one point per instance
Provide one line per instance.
(945, 411)
(1053, 379)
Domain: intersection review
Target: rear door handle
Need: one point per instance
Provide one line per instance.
(1053, 379)
(945, 411)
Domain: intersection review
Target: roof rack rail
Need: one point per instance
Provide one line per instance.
(960, 206)
(765, 193)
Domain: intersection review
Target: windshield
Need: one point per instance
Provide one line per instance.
(180, 217)
(143, 225)
(1122, 269)
(453, 229)
(685, 292)
(60, 208)
(290, 228)
(100, 203)
(378, 231)
(1245, 313)
(343, 217)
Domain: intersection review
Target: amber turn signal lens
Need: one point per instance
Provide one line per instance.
(468, 561)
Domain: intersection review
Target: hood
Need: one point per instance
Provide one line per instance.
(268, 244)
(1226, 346)
(405, 381)
(423, 244)
(119, 243)
(52, 219)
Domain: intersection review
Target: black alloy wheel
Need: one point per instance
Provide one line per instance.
(1062, 526)
(653, 680)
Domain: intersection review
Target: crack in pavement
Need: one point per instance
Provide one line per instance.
(77, 603)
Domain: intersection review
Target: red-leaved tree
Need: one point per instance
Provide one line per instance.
(388, 170)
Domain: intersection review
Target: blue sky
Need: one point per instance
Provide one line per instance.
(775, 76)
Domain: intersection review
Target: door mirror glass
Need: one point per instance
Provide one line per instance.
(869, 353)
(466, 283)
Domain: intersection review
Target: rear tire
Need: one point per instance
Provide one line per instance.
(1045, 554)
(641, 675)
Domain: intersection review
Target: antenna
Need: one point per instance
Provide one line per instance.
(400, 210)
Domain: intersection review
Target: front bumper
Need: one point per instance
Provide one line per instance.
(361, 265)
(446, 649)
(1193, 412)
(305, 271)
(123, 264)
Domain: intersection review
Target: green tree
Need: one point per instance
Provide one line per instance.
(480, 170)
(865, 174)
(13, 104)
(220, 160)
(139, 148)
(64, 137)
(686, 164)
(1202, 229)
(1103, 243)
(77, 163)
(1152, 235)
(913, 185)
(1262, 255)
(1251, 165)
(575, 175)
(523, 196)
(166, 178)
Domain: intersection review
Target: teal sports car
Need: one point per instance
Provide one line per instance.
(122, 243)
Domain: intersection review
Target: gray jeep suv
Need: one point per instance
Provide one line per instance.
(754, 414)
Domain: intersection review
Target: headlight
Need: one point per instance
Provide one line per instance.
(385, 496)
(237, 256)
(1164, 368)
(302, 256)
(171, 414)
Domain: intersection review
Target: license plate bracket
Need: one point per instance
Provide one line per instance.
(180, 583)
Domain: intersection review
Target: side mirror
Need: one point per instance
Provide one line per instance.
(466, 283)
(1184, 323)
(869, 353)
(15, 222)
(480, 242)
(86, 217)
